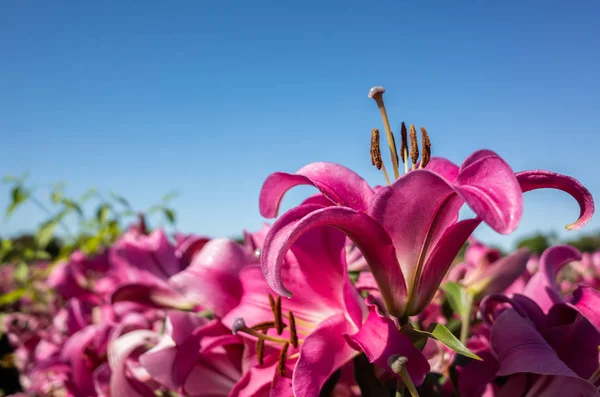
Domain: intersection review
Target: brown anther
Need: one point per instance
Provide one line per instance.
(279, 324)
(293, 332)
(426, 156)
(260, 349)
(404, 145)
(375, 149)
(264, 326)
(282, 358)
(414, 145)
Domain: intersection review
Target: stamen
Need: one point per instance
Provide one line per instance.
(376, 154)
(276, 309)
(426, 156)
(238, 325)
(260, 335)
(264, 326)
(260, 349)
(282, 358)
(293, 333)
(414, 146)
(404, 145)
(376, 93)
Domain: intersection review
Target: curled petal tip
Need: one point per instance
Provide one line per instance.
(377, 90)
(238, 325)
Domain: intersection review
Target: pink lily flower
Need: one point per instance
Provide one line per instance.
(484, 272)
(302, 341)
(408, 262)
(196, 357)
(541, 354)
(408, 231)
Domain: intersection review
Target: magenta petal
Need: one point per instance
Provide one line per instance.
(586, 301)
(121, 384)
(520, 348)
(490, 188)
(212, 279)
(439, 261)
(366, 233)
(324, 351)
(153, 296)
(540, 179)
(542, 286)
(476, 375)
(339, 184)
(443, 167)
(415, 211)
(501, 274)
(380, 339)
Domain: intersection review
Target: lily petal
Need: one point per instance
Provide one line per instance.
(586, 301)
(380, 339)
(323, 352)
(339, 184)
(366, 233)
(490, 188)
(501, 274)
(542, 286)
(540, 179)
(153, 296)
(443, 167)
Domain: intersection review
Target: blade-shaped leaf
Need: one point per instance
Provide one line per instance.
(45, 233)
(102, 213)
(170, 215)
(441, 333)
(121, 200)
(18, 195)
(456, 296)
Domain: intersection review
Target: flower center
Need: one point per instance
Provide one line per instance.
(376, 94)
(278, 324)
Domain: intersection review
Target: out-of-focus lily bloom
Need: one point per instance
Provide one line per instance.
(542, 287)
(80, 275)
(196, 357)
(484, 272)
(408, 231)
(300, 341)
(541, 354)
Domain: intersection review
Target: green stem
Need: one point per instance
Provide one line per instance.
(409, 384)
(399, 388)
(466, 317)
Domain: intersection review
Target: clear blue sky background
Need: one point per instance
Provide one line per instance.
(209, 97)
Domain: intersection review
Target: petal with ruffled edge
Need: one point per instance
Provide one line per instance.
(118, 354)
(542, 286)
(489, 186)
(323, 352)
(540, 179)
(339, 184)
(366, 233)
(380, 339)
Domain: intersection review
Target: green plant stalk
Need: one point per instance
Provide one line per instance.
(465, 317)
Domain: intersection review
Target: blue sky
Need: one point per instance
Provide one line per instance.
(208, 98)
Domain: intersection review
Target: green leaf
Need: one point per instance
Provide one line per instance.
(443, 334)
(88, 195)
(21, 272)
(45, 233)
(170, 215)
(72, 205)
(170, 196)
(102, 213)
(12, 296)
(19, 195)
(121, 200)
(456, 295)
